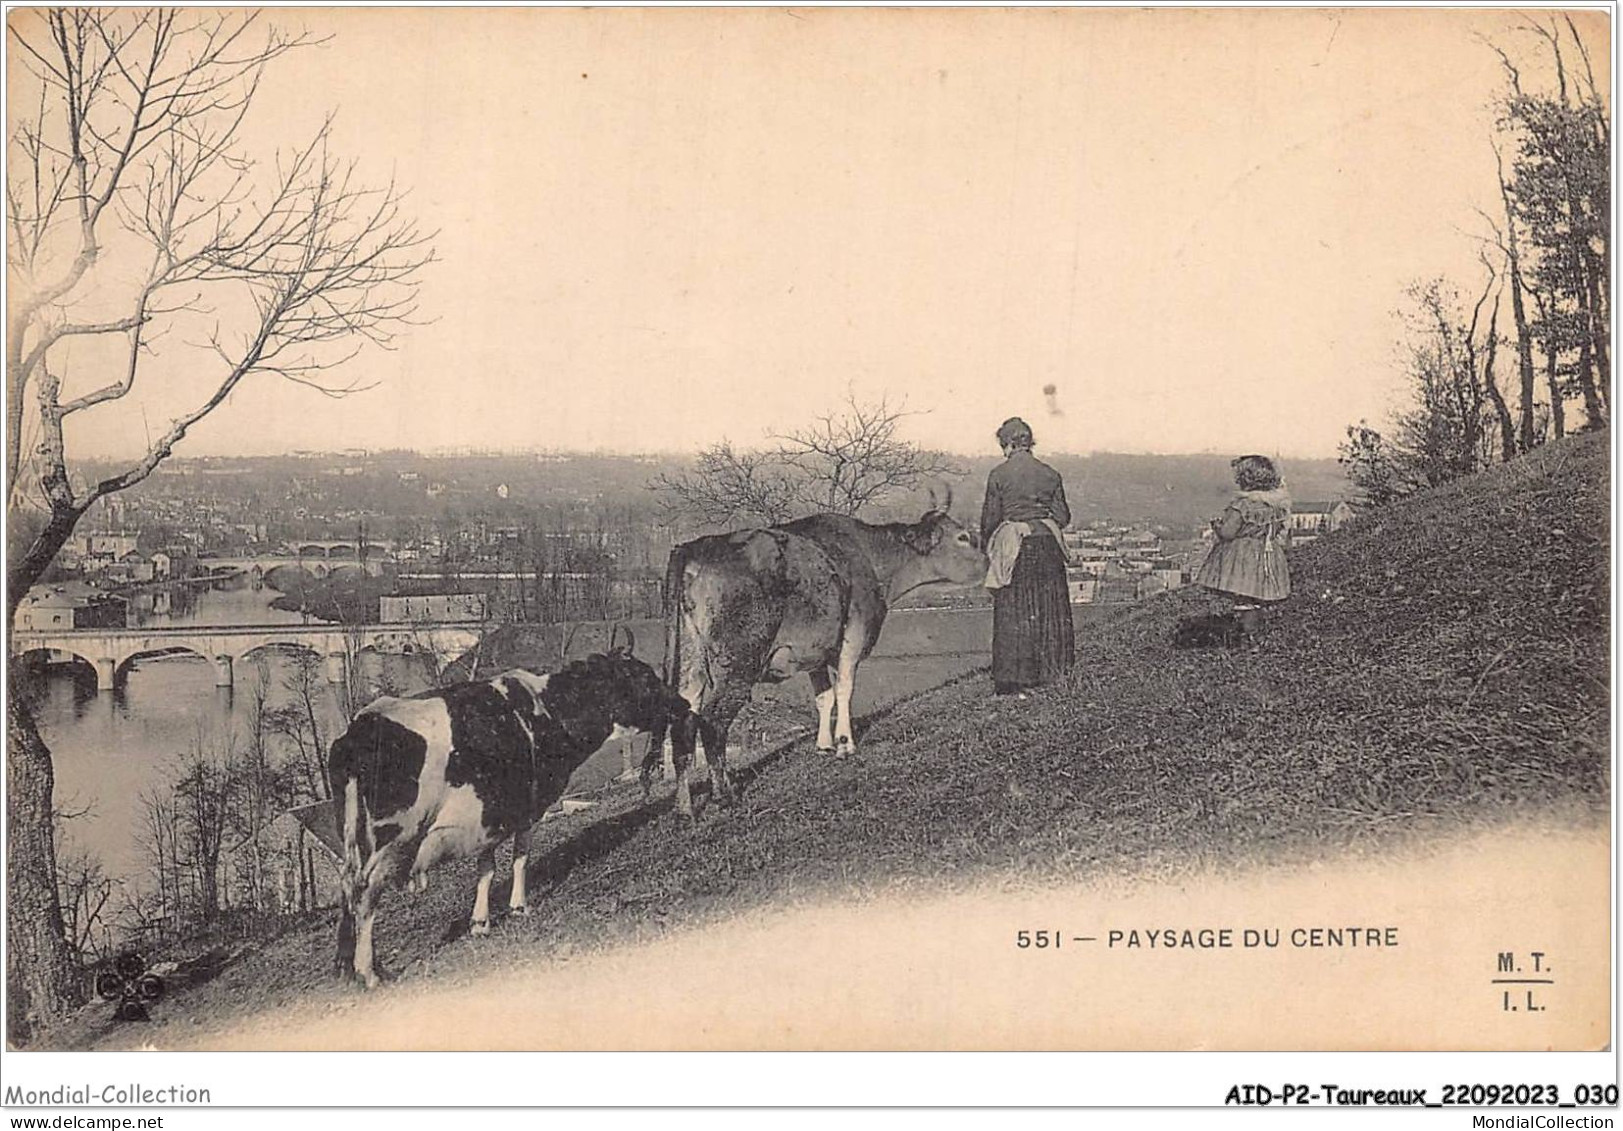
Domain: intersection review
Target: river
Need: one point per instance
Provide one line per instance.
(110, 748)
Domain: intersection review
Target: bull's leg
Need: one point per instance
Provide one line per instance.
(823, 690)
(481, 899)
(845, 680)
(521, 857)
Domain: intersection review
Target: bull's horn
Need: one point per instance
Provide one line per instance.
(631, 641)
(569, 638)
(940, 500)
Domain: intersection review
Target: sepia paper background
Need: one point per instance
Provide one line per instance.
(660, 228)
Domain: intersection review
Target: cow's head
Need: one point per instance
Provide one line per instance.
(948, 551)
(631, 693)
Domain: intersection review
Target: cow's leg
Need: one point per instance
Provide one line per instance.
(823, 690)
(521, 857)
(845, 680)
(344, 960)
(481, 900)
(388, 866)
(713, 728)
(684, 733)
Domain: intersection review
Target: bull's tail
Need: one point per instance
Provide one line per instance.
(356, 845)
(675, 570)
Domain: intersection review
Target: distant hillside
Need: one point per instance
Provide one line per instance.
(1178, 491)
(1441, 663)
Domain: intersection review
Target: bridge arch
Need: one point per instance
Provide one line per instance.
(83, 667)
(121, 667)
(313, 550)
(281, 648)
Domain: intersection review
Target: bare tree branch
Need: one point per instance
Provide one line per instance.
(843, 462)
(134, 211)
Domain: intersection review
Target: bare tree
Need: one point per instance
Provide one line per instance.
(158, 834)
(140, 230)
(855, 457)
(729, 486)
(1558, 207)
(203, 800)
(298, 720)
(85, 892)
(256, 775)
(843, 462)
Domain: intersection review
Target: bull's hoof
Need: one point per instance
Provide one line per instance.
(845, 748)
(479, 928)
(825, 749)
(522, 911)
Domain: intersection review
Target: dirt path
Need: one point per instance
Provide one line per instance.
(943, 970)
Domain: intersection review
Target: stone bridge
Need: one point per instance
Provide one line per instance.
(315, 567)
(109, 650)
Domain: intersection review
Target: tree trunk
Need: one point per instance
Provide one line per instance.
(1594, 415)
(1524, 340)
(1598, 329)
(1507, 429)
(1558, 406)
(1524, 355)
(42, 981)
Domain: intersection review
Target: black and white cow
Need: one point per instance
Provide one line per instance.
(455, 771)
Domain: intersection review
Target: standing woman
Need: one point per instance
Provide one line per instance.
(1033, 641)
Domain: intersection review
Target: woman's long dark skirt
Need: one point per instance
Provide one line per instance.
(1033, 641)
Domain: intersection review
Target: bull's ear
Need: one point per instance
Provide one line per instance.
(924, 535)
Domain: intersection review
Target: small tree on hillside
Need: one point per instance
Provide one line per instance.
(1371, 467)
(142, 236)
(854, 457)
(727, 486)
(842, 463)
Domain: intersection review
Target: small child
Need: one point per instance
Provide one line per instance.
(1247, 563)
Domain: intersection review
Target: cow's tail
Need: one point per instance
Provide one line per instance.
(356, 845)
(675, 570)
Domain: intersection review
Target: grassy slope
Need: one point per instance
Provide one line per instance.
(1444, 662)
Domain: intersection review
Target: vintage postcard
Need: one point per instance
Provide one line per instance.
(811, 529)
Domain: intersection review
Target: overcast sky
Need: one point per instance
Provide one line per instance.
(660, 228)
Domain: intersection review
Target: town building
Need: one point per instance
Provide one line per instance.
(1311, 519)
(70, 605)
(434, 608)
